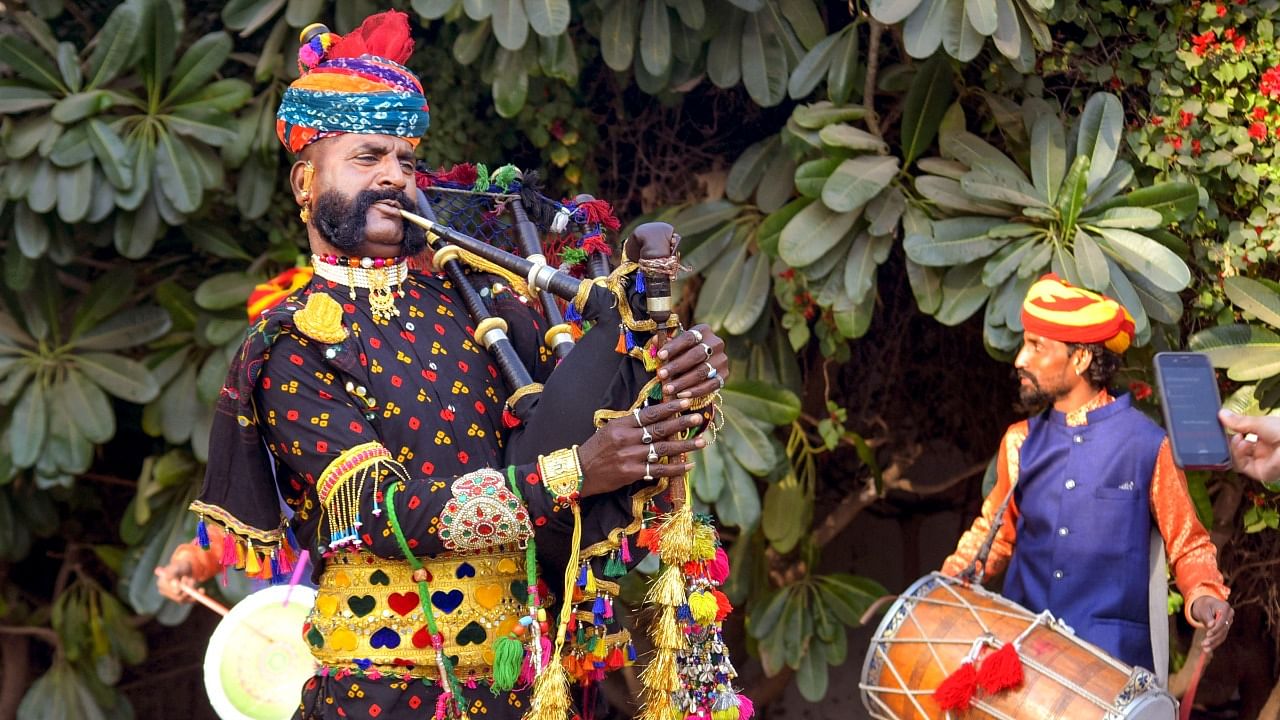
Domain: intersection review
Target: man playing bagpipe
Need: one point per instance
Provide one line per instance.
(445, 531)
(1081, 486)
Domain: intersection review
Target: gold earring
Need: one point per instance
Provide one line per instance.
(308, 171)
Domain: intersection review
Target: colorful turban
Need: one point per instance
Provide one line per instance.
(1058, 311)
(354, 84)
(269, 294)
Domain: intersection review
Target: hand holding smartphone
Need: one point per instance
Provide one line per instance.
(1189, 400)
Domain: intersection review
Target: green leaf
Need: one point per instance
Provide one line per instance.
(692, 13)
(865, 256)
(959, 38)
(811, 676)
(510, 25)
(748, 444)
(747, 170)
(69, 66)
(927, 101)
(135, 232)
(198, 65)
(27, 426)
(926, 286)
(1101, 127)
(762, 401)
(811, 233)
(1148, 257)
(84, 404)
(857, 180)
(813, 67)
(129, 328)
(805, 21)
(1048, 156)
(113, 45)
(1072, 196)
(1090, 262)
(159, 45)
(766, 619)
(655, 37)
(618, 32)
(704, 216)
(720, 289)
(708, 474)
(981, 184)
(75, 191)
(176, 175)
(108, 293)
(30, 231)
(892, 12)
(739, 504)
(1129, 218)
(962, 293)
(249, 15)
(16, 99)
(120, 376)
(851, 138)
(753, 294)
(783, 518)
(29, 62)
(924, 27)
(227, 290)
(843, 71)
(982, 15)
(433, 9)
(810, 177)
(1175, 201)
(978, 154)
(885, 211)
(764, 63)
(71, 149)
(954, 242)
(1254, 297)
(850, 596)
(208, 125)
(548, 17)
(1006, 261)
(112, 155)
(510, 83)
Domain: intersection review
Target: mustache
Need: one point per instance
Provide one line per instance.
(341, 221)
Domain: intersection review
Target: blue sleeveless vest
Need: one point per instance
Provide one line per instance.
(1084, 525)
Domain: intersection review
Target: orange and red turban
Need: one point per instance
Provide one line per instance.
(355, 83)
(1059, 311)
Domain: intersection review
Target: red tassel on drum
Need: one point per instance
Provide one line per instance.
(956, 692)
(1000, 670)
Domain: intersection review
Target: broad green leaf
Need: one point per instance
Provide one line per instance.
(249, 15)
(704, 256)
(811, 676)
(748, 444)
(558, 58)
(176, 175)
(120, 376)
(29, 62)
(724, 53)
(27, 426)
(16, 99)
(31, 231)
(892, 12)
(226, 290)
(949, 195)
(962, 293)
(954, 242)
(1254, 297)
(1010, 297)
(777, 187)
(112, 154)
(805, 20)
(978, 154)
(1175, 201)
(762, 401)
(753, 294)
(1048, 156)
(510, 83)
(1100, 131)
(986, 186)
(198, 65)
(208, 125)
(1072, 195)
(510, 24)
(982, 15)
(770, 230)
(1090, 262)
(750, 6)
(704, 216)
(1119, 179)
(739, 504)
(708, 474)
(69, 66)
(692, 13)
(810, 177)
(1258, 367)
(1161, 306)
(301, 13)
(655, 37)
(1227, 345)
(1129, 218)
(1064, 266)
(885, 211)
(720, 288)
(108, 293)
(548, 17)
(618, 32)
(747, 170)
(128, 328)
(1148, 257)
(433, 9)
(856, 180)
(135, 232)
(959, 38)
(84, 404)
(1122, 290)
(944, 168)
(860, 267)
(812, 232)
(926, 286)
(851, 138)
(764, 62)
(783, 519)
(926, 102)
(478, 9)
(159, 45)
(75, 192)
(763, 622)
(1005, 262)
(813, 67)
(42, 196)
(114, 44)
(843, 71)
(924, 27)
(822, 113)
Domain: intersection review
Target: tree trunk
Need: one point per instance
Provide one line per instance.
(15, 673)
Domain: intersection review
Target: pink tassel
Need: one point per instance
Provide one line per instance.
(718, 568)
(442, 705)
(545, 642)
(229, 550)
(626, 551)
(745, 708)
(526, 670)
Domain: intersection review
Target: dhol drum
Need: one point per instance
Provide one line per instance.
(257, 659)
(939, 621)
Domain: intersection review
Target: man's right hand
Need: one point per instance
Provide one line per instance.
(1258, 458)
(171, 578)
(617, 454)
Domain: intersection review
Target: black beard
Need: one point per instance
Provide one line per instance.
(1032, 399)
(341, 222)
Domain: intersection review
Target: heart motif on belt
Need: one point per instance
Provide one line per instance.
(422, 638)
(377, 577)
(447, 601)
(506, 565)
(489, 596)
(519, 589)
(473, 633)
(342, 639)
(341, 579)
(315, 637)
(403, 603)
(465, 570)
(385, 638)
(361, 605)
(506, 626)
(327, 605)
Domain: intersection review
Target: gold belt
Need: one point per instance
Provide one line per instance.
(368, 612)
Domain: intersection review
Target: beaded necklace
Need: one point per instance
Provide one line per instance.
(380, 276)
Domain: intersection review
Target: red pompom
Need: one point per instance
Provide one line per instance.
(956, 692)
(1000, 670)
(385, 35)
(723, 606)
(509, 419)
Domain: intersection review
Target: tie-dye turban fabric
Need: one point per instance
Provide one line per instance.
(354, 84)
(1059, 311)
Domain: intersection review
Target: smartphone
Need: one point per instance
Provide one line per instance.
(1190, 401)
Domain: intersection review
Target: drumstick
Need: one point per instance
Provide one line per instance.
(221, 609)
(1189, 697)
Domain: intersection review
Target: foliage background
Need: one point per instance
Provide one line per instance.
(865, 190)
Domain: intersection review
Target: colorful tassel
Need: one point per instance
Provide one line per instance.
(746, 709)
(251, 565)
(482, 178)
(703, 607)
(669, 588)
(723, 606)
(508, 656)
(640, 282)
(230, 558)
(571, 314)
(718, 567)
(509, 419)
(202, 534)
(624, 550)
(613, 567)
(630, 340)
(1000, 670)
(957, 690)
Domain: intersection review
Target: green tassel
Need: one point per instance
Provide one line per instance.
(582, 635)
(572, 256)
(482, 178)
(505, 176)
(508, 654)
(613, 567)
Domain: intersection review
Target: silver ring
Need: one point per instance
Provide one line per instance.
(647, 475)
(636, 413)
(707, 348)
(720, 380)
(711, 370)
(646, 436)
(697, 335)
(653, 454)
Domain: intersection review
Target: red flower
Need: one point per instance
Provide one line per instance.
(1156, 121)
(1222, 10)
(1140, 390)
(1174, 140)
(1259, 113)
(1258, 131)
(1239, 43)
(1269, 85)
(1229, 34)
(1195, 147)
(1185, 118)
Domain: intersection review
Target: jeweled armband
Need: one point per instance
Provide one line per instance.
(562, 475)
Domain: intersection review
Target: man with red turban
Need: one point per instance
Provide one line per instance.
(1089, 496)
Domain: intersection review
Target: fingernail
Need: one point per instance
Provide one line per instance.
(662, 373)
(669, 389)
(685, 394)
(700, 442)
(662, 354)
(685, 403)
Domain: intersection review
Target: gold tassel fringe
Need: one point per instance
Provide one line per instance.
(668, 589)
(666, 633)
(676, 544)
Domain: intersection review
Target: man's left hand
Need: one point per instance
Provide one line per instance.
(693, 364)
(1216, 617)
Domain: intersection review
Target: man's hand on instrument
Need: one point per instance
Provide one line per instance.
(693, 364)
(1216, 616)
(630, 448)
(171, 578)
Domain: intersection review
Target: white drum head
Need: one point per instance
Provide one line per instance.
(257, 659)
